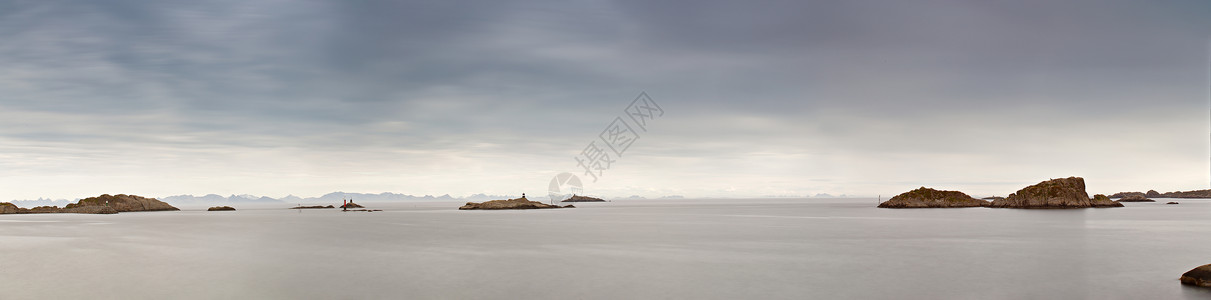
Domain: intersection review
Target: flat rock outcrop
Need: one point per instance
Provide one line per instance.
(1200, 276)
(221, 208)
(930, 198)
(1136, 198)
(313, 207)
(1056, 193)
(518, 203)
(577, 198)
(123, 203)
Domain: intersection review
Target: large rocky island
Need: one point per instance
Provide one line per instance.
(518, 203)
(1056, 193)
(104, 204)
(930, 198)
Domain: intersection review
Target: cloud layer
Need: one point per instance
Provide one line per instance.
(465, 97)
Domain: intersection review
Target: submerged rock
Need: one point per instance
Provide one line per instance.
(1200, 276)
(1056, 193)
(930, 198)
(1136, 198)
(519, 203)
(576, 198)
(220, 208)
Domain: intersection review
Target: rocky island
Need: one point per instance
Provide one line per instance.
(518, 203)
(221, 208)
(1056, 193)
(576, 198)
(313, 207)
(104, 204)
(1200, 276)
(930, 198)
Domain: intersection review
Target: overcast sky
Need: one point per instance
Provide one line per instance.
(161, 98)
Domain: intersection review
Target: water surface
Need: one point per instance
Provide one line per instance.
(704, 249)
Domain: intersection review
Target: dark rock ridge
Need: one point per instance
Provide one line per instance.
(518, 203)
(576, 198)
(1055, 193)
(1171, 203)
(313, 207)
(1136, 198)
(104, 204)
(1200, 276)
(220, 208)
(926, 197)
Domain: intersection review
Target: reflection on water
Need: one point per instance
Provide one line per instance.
(715, 249)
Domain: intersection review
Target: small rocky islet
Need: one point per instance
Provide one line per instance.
(1055, 193)
(104, 204)
(578, 198)
(221, 208)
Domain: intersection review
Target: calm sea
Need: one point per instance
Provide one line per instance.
(678, 249)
